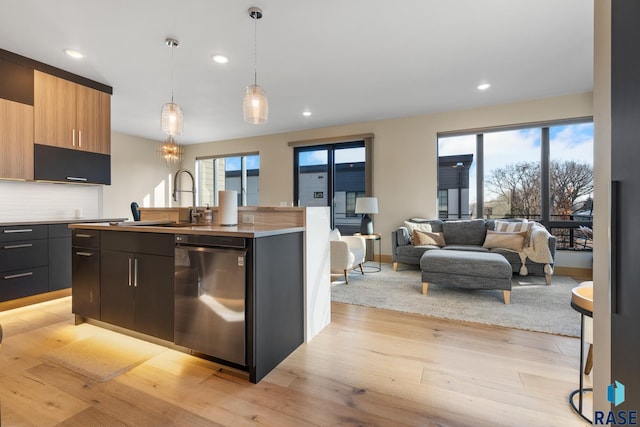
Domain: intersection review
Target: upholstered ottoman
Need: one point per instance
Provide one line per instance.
(466, 269)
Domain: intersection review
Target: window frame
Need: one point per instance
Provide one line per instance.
(545, 162)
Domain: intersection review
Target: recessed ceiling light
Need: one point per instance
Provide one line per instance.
(220, 59)
(306, 113)
(74, 53)
(484, 86)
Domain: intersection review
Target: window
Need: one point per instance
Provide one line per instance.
(333, 173)
(543, 173)
(239, 172)
(351, 197)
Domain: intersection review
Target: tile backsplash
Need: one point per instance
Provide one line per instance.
(35, 201)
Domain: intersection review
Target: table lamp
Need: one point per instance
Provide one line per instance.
(366, 206)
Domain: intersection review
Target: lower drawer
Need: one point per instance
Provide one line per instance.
(22, 283)
(23, 254)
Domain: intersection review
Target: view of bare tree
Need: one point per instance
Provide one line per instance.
(518, 185)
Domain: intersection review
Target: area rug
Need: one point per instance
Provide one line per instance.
(102, 358)
(534, 305)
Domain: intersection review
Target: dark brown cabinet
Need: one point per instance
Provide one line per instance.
(136, 282)
(59, 257)
(85, 265)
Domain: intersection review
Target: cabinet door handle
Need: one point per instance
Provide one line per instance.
(84, 254)
(22, 245)
(77, 178)
(20, 230)
(73, 137)
(16, 276)
(129, 282)
(615, 244)
(88, 236)
(135, 272)
(79, 139)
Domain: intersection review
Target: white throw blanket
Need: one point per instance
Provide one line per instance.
(537, 251)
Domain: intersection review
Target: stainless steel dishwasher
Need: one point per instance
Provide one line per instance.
(210, 283)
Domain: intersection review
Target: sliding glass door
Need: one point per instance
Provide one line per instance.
(332, 175)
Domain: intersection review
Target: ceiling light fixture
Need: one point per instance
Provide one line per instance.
(484, 86)
(75, 54)
(171, 116)
(220, 59)
(255, 105)
(306, 113)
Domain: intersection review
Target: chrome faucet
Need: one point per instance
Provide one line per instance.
(192, 214)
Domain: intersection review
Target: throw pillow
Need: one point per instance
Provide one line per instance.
(335, 234)
(505, 240)
(515, 227)
(411, 226)
(421, 238)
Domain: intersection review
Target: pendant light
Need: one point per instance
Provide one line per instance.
(170, 152)
(255, 105)
(171, 116)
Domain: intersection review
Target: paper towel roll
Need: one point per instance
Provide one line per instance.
(228, 207)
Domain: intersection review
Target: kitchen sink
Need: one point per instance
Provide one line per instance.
(180, 224)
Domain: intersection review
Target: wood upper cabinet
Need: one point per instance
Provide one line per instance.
(16, 140)
(70, 115)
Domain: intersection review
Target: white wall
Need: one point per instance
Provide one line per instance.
(405, 154)
(137, 174)
(36, 201)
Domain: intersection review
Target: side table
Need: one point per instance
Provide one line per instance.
(373, 237)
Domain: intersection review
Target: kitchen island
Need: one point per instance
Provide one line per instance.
(233, 294)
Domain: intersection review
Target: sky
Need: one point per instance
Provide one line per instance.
(567, 142)
(235, 163)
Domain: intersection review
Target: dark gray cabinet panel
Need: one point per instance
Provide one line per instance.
(625, 128)
(275, 306)
(85, 289)
(23, 283)
(23, 261)
(59, 257)
(67, 165)
(136, 282)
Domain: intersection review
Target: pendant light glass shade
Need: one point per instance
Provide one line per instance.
(171, 118)
(255, 105)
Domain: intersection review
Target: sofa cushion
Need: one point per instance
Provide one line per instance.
(420, 226)
(466, 232)
(515, 227)
(505, 240)
(421, 238)
(436, 224)
(468, 248)
(414, 251)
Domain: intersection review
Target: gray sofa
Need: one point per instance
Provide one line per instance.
(463, 235)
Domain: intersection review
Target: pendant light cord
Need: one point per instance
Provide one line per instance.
(173, 68)
(255, 50)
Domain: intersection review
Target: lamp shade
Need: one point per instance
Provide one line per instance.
(366, 205)
(255, 105)
(172, 120)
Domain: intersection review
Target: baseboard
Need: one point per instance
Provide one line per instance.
(382, 258)
(575, 272)
(34, 299)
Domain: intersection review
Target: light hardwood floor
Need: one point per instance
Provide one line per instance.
(368, 367)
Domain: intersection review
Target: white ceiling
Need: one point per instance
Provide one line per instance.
(345, 60)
